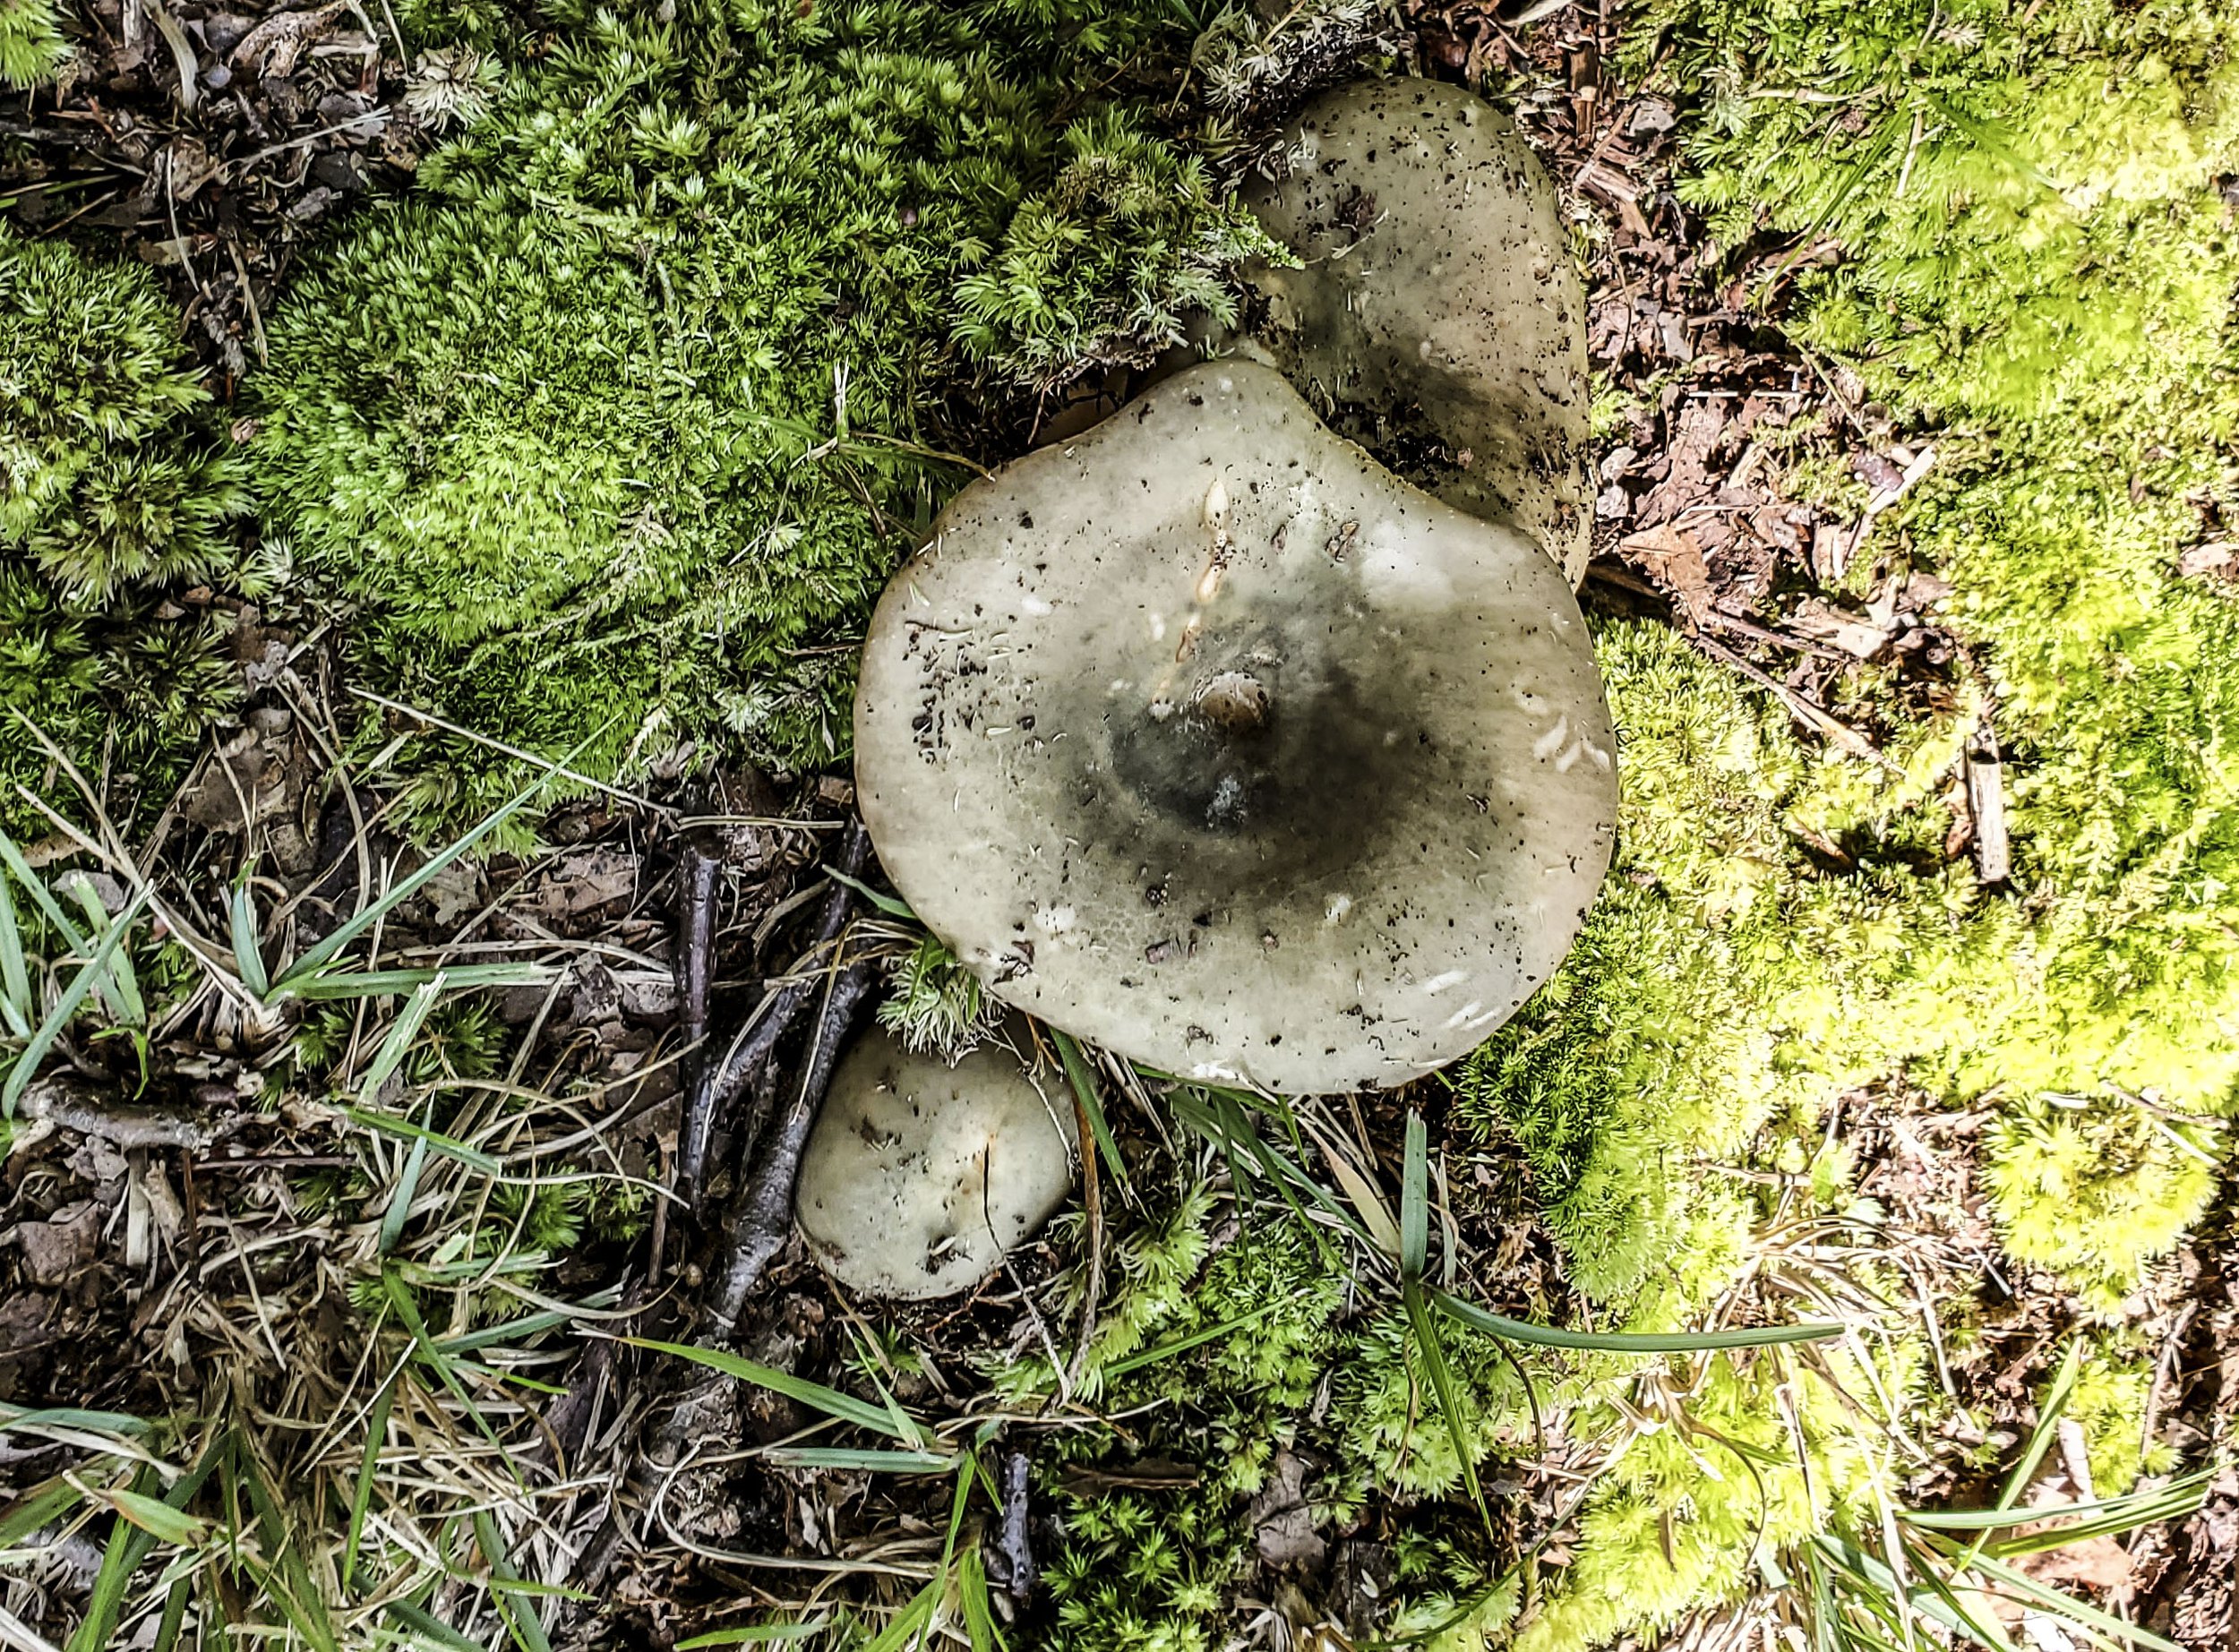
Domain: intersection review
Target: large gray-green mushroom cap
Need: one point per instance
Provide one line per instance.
(1436, 291)
(919, 1177)
(1206, 738)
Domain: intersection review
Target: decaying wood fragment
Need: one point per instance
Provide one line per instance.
(1986, 802)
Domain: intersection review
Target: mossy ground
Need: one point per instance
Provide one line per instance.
(600, 442)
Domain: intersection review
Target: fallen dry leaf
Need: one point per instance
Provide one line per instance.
(1671, 557)
(55, 1252)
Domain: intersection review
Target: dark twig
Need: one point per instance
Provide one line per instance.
(698, 877)
(717, 1090)
(761, 1214)
(1012, 1544)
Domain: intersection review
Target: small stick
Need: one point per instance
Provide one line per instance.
(1013, 1545)
(761, 1216)
(1805, 708)
(1987, 801)
(718, 1087)
(698, 877)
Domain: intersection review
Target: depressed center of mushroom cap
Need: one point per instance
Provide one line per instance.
(1206, 738)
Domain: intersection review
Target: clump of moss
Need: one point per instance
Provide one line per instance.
(111, 497)
(2108, 1403)
(1129, 225)
(31, 44)
(615, 433)
(2093, 1189)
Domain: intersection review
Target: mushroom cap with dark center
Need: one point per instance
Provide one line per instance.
(1206, 738)
(1436, 293)
(919, 1177)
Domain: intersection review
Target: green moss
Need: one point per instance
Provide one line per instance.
(1258, 1308)
(2108, 1403)
(615, 433)
(111, 497)
(2094, 1189)
(31, 44)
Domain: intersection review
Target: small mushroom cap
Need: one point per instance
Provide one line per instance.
(1209, 739)
(1437, 283)
(919, 1177)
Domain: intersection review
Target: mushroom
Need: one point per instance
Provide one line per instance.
(1435, 288)
(919, 1177)
(1207, 737)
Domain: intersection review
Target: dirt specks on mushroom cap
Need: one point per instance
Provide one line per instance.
(1436, 291)
(1206, 738)
(919, 1177)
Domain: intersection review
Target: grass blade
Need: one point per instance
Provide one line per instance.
(42, 897)
(128, 1546)
(867, 1459)
(846, 1407)
(399, 1295)
(755, 1634)
(1414, 1225)
(331, 984)
(1084, 1085)
(122, 981)
(42, 1505)
(529, 1324)
(71, 1417)
(521, 1621)
(1433, 1354)
(888, 905)
(19, 1078)
(16, 1004)
(2080, 1613)
(2105, 1517)
(153, 1516)
(398, 1044)
(1182, 1345)
(362, 1491)
(432, 1629)
(916, 1619)
(248, 957)
(979, 1611)
(313, 962)
(285, 1578)
(1620, 1341)
(449, 1146)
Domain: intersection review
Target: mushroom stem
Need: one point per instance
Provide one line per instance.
(717, 1087)
(761, 1214)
